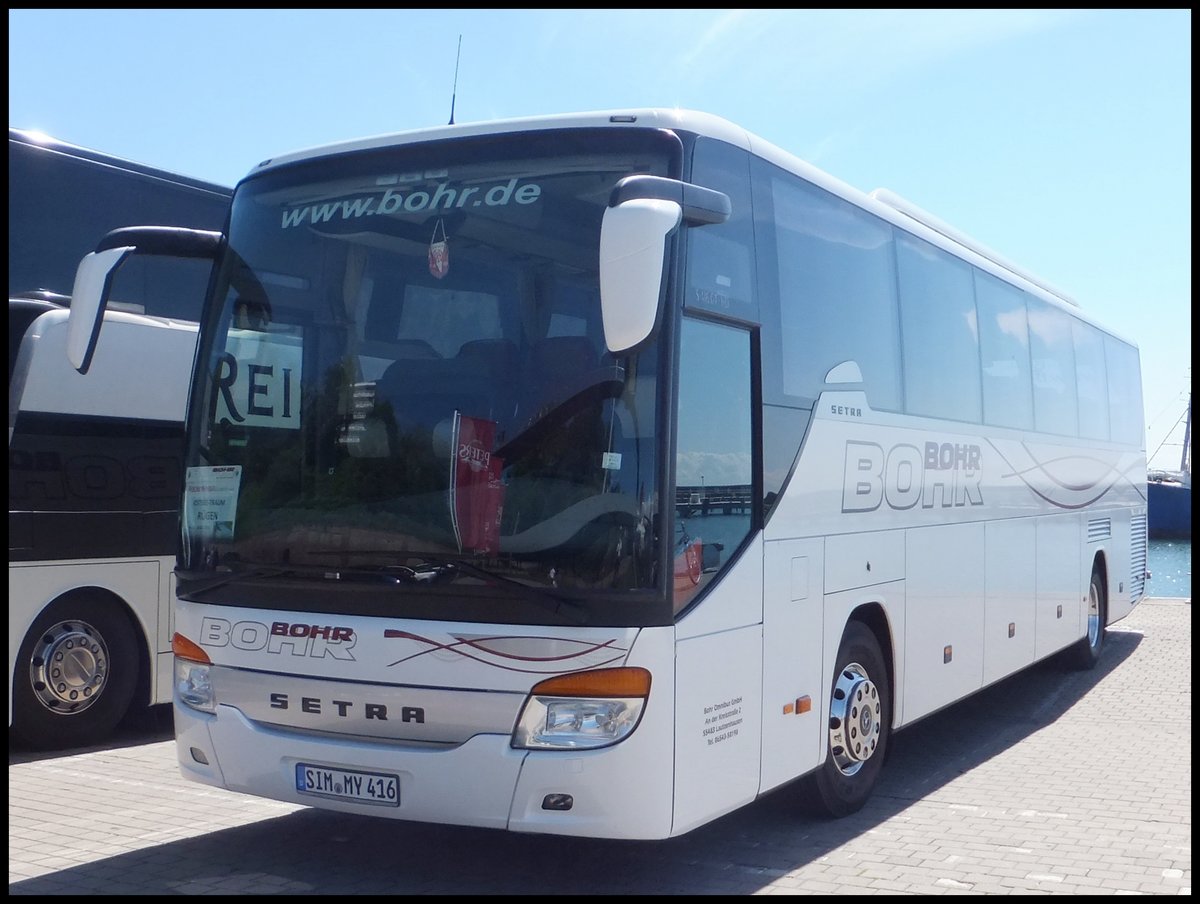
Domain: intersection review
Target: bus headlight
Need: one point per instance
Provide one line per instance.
(193, 686)
(582, 710)
(193, 675)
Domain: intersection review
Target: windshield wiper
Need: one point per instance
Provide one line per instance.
(390, 574)
(435, 568)
(250, 574)
(557, 604)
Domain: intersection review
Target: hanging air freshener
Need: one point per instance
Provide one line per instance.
(439, 251)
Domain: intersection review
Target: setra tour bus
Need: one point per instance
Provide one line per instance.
(95, 463)
(599, 474)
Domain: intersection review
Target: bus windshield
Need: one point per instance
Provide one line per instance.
(405, 388)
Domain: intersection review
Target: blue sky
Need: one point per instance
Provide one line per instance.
(1062, 139)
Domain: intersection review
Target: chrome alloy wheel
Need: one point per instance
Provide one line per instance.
(1093, 615)
(855, 719)
(69, 667)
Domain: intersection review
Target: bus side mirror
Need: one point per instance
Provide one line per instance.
(93, 278)
(642, 213)
(633, 253)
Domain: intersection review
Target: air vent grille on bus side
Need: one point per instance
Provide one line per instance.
(1137, 557)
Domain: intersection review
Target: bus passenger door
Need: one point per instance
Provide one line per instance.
(717, 584)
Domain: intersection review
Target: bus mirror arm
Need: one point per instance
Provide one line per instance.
(94, 276)
(169, 241)
(700, 206)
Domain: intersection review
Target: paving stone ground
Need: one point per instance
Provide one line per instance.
(1050, 782)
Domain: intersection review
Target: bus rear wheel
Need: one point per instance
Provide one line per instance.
(1086, 652)
(859, 726)
(75, 674)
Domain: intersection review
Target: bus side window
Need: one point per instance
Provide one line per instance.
(720, 269)
(714, 459)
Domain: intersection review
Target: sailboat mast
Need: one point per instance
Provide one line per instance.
(1185, 462)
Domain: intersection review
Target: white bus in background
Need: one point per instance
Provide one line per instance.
(94, 462)
(598, 474)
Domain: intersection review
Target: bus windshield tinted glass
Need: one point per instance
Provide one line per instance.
(407, 379)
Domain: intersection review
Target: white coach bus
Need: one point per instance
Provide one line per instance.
(94, 463)
(598, 474)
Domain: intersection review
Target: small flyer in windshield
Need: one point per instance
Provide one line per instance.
(210, 498)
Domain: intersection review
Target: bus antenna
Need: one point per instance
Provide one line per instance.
(454, 90)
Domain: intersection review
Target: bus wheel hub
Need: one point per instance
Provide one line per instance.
(69, 667)
(855, 719)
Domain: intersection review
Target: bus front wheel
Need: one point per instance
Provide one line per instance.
(859, 727)
(75, 674)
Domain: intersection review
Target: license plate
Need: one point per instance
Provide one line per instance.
(377, 788)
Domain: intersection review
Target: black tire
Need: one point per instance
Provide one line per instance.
(75, 674)
(859, 726)
(1085, 654)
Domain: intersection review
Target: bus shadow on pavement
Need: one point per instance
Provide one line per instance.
(320, 852)
(141, 725)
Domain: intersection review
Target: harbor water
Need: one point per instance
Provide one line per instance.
(1169, 562)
